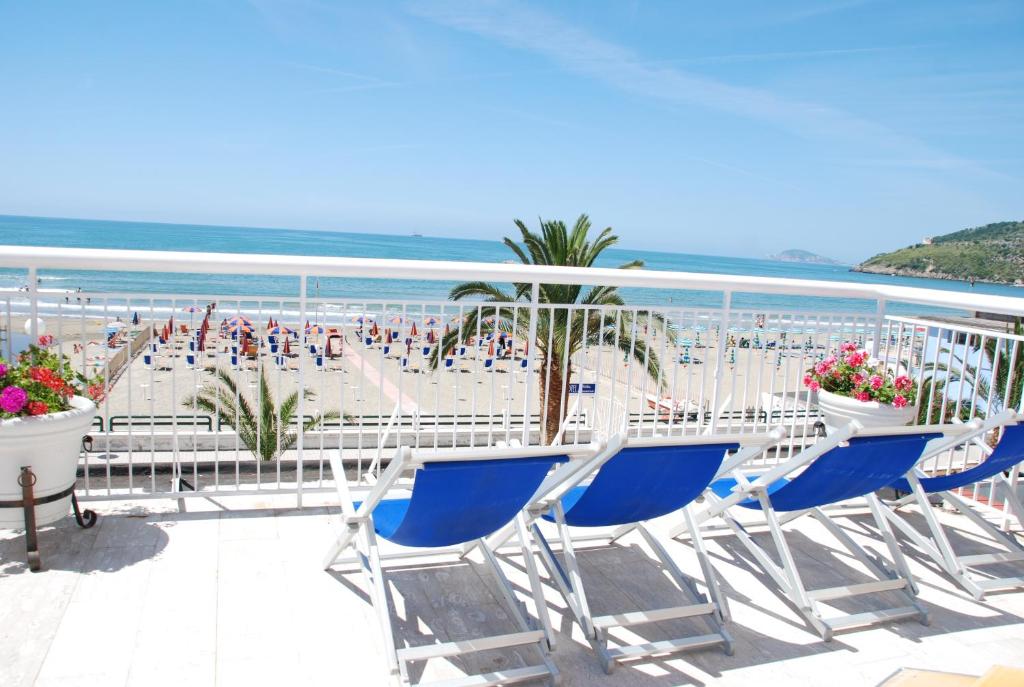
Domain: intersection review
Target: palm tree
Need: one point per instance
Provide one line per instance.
(561, 332)
(1005, 363)
(269, 432)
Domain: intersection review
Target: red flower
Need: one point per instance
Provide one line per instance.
(37, 408)
(96, 392)
(863, 396)
(899, 402)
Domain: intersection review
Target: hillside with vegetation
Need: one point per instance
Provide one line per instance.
(992, 253)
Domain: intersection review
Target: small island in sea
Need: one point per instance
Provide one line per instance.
(803, 256)
(990, 253)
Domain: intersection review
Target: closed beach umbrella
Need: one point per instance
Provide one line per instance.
(430, 336)
(374, 331)
(287, 347)
(135, 319)
(413, 330)
(447, 330)
(490, 349)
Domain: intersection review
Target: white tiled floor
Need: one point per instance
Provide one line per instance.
(233, 594)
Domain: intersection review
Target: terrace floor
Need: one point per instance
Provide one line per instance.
(232, 593)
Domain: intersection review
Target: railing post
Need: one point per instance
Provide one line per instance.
(723, 338)
(301, 407)
(531, 348)
(879, 318)
(33, 304)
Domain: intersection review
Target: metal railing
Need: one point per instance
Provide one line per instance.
(386, 368)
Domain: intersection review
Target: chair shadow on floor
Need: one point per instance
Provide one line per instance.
(622, 577)
(822, 563)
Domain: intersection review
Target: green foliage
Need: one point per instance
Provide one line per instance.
(994, 252)
(264, 427)
(560, 331)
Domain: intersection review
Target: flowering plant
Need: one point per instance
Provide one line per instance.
(853, 373)
(40, 382)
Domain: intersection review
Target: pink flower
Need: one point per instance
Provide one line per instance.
(863, 396)
(808, 379)
(876, 382)
(855, 359)
(831, 360)
(899, 402)
(857, 379)
(848, 347)
(3, 369)
(902, 383)
(13, 399)
(822, 368)
(814, 386)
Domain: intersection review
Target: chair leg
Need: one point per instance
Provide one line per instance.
(536, 588)
(373, 573)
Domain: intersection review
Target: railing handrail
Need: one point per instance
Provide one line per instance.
(40, 257)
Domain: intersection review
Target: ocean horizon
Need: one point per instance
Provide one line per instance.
(120, 234)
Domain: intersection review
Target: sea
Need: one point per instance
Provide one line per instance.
(90, 233)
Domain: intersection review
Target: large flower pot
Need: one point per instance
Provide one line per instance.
(50, 445)
(839, 411)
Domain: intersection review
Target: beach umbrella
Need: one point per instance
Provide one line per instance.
(278, 329)
(413, 331)
(287, 347)
(192, 308)
(240, 328)
(135, 319)
(447, 330)
(397, 319)
(315, 329)
(431, 321)
(374, 331)
(239, 319)
(430, 336)
(490, 349)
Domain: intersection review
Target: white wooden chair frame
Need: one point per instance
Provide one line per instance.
(358, 535)
(569, 580)
(897, 579)
(936, 544)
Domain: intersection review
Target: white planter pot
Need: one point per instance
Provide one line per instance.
(839, 411)
(50, 444)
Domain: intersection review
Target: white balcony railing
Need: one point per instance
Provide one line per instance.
(728, 367)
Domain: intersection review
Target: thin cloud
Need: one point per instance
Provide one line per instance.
(579, 52)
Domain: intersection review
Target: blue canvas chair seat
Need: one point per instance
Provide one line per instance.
(852, 463)
(864, 465)
(646, 479)
(457, 498)
(455, 503)
(970, 571)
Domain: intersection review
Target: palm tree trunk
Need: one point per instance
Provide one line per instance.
(554, 397)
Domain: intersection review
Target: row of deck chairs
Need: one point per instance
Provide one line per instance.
(463, 501)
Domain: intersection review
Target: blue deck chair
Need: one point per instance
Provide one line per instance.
(646, 479)
(458, 497)
(852, 463)
(1006, 457)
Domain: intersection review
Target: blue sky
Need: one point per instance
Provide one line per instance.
(846, 127)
